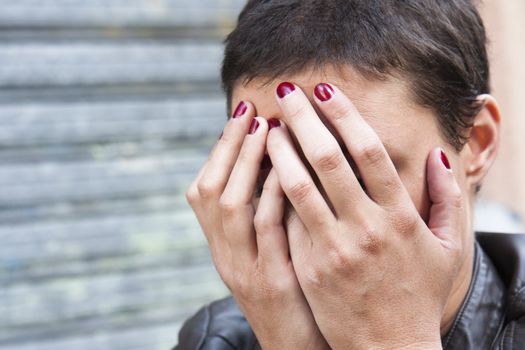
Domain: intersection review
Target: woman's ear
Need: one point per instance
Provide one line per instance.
(483, 143)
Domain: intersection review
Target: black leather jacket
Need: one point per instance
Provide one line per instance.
(491, 317)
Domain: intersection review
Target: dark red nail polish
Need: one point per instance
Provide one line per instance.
(254, 126)
(222, 133)
(444, 159)
(274, 123)
(285, 89)
(240, 110)
(324, 92)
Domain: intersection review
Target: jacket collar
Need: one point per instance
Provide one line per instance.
(482, 314)
(507, 252)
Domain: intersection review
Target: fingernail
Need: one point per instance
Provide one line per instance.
(444, 159)
(222, 133)
(285, 89)
(240, 110)
(274, 123)
(254, 126)
(324, 92)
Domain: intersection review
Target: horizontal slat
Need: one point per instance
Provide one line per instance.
(119, 13)
(152, 337)
(97, 236)
(94, 64)
(134, 204)
(39, 124)
(39, 271)
(102, 299)
(100, 150)
(73, 298)
(178, 162)
(31, 185)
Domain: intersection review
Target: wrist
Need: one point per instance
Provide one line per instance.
(398, 345)
(423, 346)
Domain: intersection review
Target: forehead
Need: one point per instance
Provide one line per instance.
(386, 105)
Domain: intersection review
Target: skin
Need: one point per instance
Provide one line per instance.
(317, 255)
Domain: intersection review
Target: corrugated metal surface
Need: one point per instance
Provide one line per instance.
(107, 110)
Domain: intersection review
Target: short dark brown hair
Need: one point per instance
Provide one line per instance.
(438, 46)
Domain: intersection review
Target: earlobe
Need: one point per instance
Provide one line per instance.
(483, 142)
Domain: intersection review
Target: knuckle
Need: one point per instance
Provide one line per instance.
(192, 195)
(339, 111)
(340, 259)
(370, 152)
(297, 112)
(314, 277)
(328, 159)
(371, 241)
(228, 206)
(273, 287)
(405, 220)
(262, 223)
(392, 184)
(301, 190)
(286, 282)
(208, 189)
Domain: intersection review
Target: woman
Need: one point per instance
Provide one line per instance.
(371, 126)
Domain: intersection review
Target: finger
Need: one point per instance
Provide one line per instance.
(272, 243)
(366, 149)
(236, 202)
(192, 194)
(225, 153)
(321, 150)
(297, 183)
(446, 199)
(210, 222)
(299, 240)
(212, 179)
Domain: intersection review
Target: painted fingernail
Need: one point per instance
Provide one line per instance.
(253, 126)
(274, 123)
(240, 110)
(222, 133)
(444, 159)
(285, 89)
(324, 92)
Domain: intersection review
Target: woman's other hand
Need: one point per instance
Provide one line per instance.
(249, 246)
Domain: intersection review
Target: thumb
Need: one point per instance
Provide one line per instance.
(445, 196)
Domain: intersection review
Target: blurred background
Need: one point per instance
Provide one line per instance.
(107, 110)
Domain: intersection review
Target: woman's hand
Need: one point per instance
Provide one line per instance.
(374, 274)
(250, 249)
